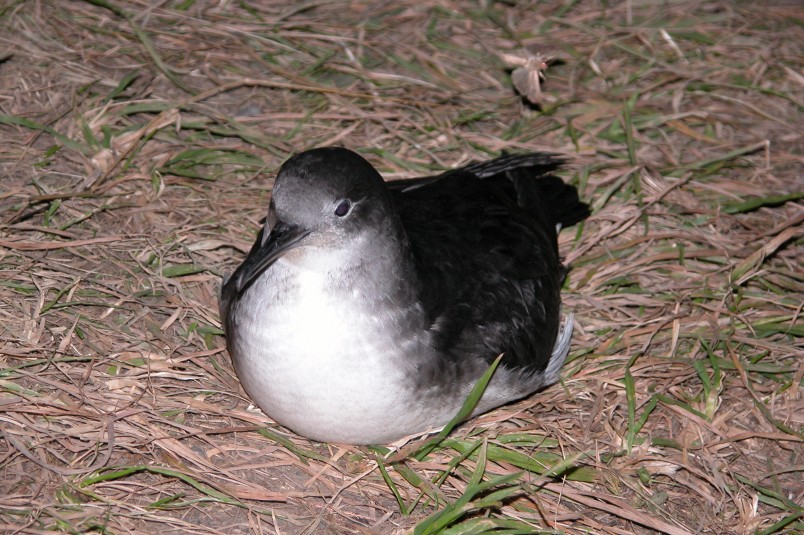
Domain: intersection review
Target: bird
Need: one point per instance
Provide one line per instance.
(367, 309)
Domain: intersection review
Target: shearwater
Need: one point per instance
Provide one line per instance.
(366, 310)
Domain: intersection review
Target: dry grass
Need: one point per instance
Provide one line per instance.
(138, 145)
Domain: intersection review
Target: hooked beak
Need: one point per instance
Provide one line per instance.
(274, 240)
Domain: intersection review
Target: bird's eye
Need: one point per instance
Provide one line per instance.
(343, 208)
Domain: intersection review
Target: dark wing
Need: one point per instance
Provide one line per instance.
(484, 238)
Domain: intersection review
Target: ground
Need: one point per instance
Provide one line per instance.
(138, 145)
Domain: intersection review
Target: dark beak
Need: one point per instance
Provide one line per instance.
(281, 238)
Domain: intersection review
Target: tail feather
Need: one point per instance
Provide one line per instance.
(537, 190)
(538, 162)
(545, 196)
(557, 198)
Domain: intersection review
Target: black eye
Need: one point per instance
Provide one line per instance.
(343, 208)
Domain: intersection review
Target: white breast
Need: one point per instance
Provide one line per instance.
(322, 363)
(337, 364)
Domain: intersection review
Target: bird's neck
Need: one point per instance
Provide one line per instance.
(387, 264)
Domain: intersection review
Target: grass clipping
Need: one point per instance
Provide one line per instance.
(138, 149)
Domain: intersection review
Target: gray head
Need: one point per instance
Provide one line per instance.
(332, 192)
(330, 200)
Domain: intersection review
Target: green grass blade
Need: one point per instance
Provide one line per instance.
(463, 413)
(115, 474)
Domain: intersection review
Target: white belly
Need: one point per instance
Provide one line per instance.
(325, 366)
